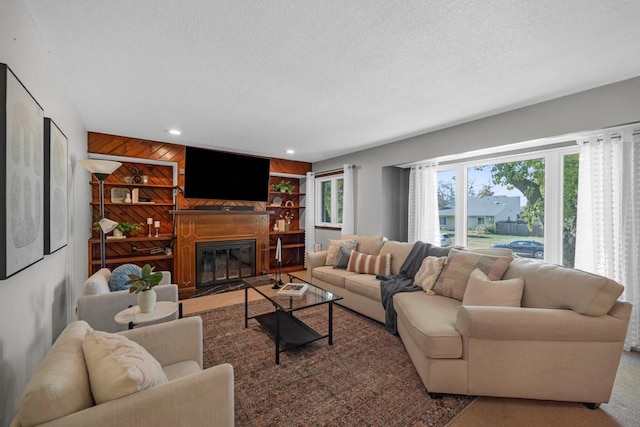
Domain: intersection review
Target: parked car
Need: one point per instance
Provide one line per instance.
(445, 240)
(525, 248)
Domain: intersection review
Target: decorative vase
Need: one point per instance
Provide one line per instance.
(147, 301)
(117, 233)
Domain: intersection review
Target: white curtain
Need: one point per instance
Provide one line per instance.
(424, 223)
(310, 213)
(608, 223)
(348, 200)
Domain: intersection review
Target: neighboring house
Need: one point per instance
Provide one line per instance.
(483, 210)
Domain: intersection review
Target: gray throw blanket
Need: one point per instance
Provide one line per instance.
(402, 282)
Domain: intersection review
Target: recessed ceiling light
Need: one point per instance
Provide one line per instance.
(175, 132)
(290, 151)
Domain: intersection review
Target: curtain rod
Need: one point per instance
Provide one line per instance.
(331, 171)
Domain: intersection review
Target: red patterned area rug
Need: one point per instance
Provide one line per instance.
(364, 379)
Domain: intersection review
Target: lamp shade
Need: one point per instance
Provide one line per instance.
(107, 225)
(105, 167)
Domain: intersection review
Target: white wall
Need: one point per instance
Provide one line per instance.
(37, 303)
(609, 105)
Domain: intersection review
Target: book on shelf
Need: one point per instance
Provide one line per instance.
(293, 289)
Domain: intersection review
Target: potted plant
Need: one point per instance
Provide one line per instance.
(129, 228)
(283, 187)
(143, 286)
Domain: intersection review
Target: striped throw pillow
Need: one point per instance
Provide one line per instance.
(370, 264)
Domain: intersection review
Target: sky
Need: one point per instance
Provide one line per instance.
(480, 178)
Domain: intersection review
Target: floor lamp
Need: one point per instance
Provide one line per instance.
(102, 169)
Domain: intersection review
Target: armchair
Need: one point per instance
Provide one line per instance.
(98, 305)
(59, 392)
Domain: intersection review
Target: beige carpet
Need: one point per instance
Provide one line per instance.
(622, 410)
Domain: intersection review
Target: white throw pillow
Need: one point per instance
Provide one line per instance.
(118, 366)
(428, 273)
(502, 293)
(97, 283)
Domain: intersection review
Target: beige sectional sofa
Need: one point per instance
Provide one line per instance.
(564, 343)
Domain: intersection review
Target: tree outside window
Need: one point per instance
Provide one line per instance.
(506, 203)
(330, 200)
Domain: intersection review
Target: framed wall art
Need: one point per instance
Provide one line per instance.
(55, 187)
(22, 177)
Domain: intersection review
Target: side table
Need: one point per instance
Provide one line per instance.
(133, 317)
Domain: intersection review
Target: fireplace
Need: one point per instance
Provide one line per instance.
(224, 262)
(194, 227)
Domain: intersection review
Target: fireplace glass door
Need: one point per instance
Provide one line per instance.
(223, 262)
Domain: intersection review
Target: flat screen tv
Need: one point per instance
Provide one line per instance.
(211, 174)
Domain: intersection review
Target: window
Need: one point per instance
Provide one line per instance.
(446, 205)
(330, 192)
(525, 202)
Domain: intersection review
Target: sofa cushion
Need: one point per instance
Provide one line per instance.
(366, 244)
(97, 283)
(399, 252)
(502, 293)
(343, 258)
(332, 276)
(458, 267)
(369, 264)
(333, 253)
(428, 273)
(118, 366)
(120, 276)
(431, 323)
(364, 284)
(60, 384)
(554, 286)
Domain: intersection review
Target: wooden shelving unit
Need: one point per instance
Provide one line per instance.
(293, 246)
(136, 249)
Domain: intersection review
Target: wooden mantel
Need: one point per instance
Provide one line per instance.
(194, 226)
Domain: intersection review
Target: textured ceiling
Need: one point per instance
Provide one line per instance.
(326, 77)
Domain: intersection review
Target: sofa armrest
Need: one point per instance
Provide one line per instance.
(99, 310)
(537, 324)
(200, 399)
(183, 335)
(315, 259)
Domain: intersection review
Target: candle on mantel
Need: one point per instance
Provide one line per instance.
(149, 221)
(156, 224)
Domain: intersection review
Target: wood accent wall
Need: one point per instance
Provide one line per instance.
(114, 145)
(214, 227)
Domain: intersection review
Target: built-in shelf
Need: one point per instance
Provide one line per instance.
(274, 233)
(133, 258)
(289, 246)
(125, 184)
(286, 194)
(145, 238)
(106, 203)
(159, 190)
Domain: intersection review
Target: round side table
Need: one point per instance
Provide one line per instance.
(133, 317)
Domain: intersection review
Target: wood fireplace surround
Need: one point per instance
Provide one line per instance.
(196, 226)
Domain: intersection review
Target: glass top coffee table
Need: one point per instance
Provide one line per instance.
(286, 330)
